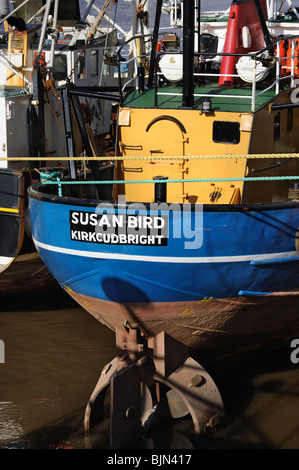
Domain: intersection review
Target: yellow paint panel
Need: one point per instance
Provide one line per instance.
(180, 133)
(17, 55)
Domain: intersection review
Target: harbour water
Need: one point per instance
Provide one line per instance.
(53, 353)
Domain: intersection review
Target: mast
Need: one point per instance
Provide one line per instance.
(154, 43)
(267, 35)
(188, 52)
(197, 21)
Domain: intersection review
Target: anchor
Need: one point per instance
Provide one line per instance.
(150, 380)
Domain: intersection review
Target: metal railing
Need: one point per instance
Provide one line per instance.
(285, 70)
(131, 63)
(282, 72)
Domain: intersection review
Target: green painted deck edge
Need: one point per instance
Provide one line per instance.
(284, 19)
(214, 19)
(223, 102)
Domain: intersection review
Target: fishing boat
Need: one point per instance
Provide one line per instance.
(43, 45)
(190, 252)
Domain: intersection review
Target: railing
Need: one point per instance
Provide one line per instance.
(282, 72)
(274, 9)
(176, 13)
(131, 63)
(285, 69)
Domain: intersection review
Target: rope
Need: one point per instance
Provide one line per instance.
(106, 42)
(185, 157)
(199, 180)
(49, 85)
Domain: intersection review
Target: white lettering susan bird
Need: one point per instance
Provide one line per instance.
(117, 220)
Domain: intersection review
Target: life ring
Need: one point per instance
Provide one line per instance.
(160, 45)
(86, 113)
(296, 58)
(280, 50)
(41, 60)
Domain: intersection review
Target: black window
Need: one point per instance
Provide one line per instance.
(59, 67)
(209, 43)
(277, 126)
(94, 63)
(227, 132)
(81, 72)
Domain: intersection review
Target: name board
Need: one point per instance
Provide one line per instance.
(118, 229)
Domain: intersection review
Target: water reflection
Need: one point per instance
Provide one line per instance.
(268, 417)
(54, 354)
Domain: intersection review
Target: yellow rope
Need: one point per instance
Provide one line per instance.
(185, 157)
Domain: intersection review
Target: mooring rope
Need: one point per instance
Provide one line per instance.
(184, 157)
(199, 180)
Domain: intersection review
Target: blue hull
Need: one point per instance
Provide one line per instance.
(229, 260)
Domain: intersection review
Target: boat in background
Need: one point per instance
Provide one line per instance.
(44, 45)
(190, 252)
(282, 19)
